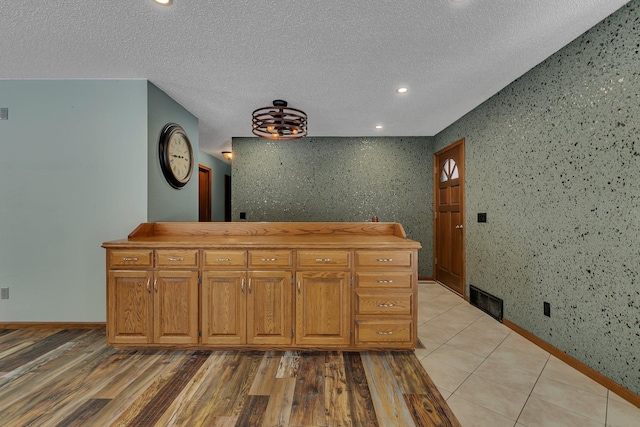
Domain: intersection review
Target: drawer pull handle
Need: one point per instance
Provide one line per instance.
(385, 260)
(175, 259)
(134, 258)
(385, 281)
(223, 259)
(324, 259)
(386, 304)
(385, 333)
(269, 259)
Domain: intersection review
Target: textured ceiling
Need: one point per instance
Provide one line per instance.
(338, 60)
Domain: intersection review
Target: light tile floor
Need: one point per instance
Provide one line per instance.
(492, 376)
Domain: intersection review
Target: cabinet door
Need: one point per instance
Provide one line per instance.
(323, 308)
(269, 307)
(223, 307)
(175, 311)
(129, 307)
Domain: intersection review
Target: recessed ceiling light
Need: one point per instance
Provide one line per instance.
(402, 90)
(164, 2)
(378, 126)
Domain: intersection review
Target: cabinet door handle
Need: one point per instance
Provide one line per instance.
(385, 260)
(175, 259)
(133, 258)
(223, 259)
(242, 286)
(386, 304)
(148, 282)
(324, 259)
(298, 286)
(155, 285)
(385, 333)
(269, 259)
(385, 281)
(249, 285)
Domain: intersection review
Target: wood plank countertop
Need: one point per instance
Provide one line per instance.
(267, 235)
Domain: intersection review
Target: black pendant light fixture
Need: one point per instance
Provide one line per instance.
(279, 122)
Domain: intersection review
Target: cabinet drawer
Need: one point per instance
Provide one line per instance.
(387, 302)
(270, 258)
(169, 258)
(384, 331)
(224, 258)
(386, 279)
(142, 258)
(326, 259)
(383, 258)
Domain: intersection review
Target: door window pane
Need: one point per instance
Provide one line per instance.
(449, 170)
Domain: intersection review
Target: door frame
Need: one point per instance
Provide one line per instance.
(202, 169)
(227, 198)
(436, 180)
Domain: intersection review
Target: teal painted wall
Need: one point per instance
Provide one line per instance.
(73, 168)
(165, 202)
(554, 161)
(219, 168)
(338, 179)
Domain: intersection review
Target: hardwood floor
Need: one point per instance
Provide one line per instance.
(70, 378)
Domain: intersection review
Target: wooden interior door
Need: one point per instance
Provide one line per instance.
(449, 216)
(204, 193)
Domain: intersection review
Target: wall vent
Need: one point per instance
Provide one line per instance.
(486, 302)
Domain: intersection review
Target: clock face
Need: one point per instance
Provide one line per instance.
(179, 157)
(176, 155)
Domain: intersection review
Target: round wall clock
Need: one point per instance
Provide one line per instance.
(176, 155)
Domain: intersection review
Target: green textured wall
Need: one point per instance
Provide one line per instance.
(554, 161)
(338, 179)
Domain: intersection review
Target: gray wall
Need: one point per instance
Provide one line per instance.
(338, 179)
(165, 202)
(79, 166)
(554, 160)
(219, 168)
(73, 168)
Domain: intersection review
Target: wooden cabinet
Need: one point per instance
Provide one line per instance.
(175, 307)
(247, 307)
(148, 306)
(323, 308)
(223, 307)
(269, 308)
(130, 307)
(385, 299)
(349, 286)
(323, 297)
